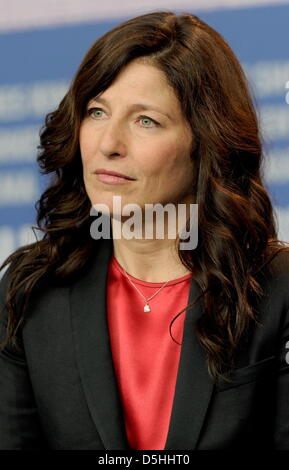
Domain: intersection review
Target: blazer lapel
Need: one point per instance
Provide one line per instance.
(92, 344)
(194, 386)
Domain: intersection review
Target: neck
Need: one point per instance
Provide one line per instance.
(149, 260)
(153, 259)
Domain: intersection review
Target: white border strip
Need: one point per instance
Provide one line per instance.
(17, 15)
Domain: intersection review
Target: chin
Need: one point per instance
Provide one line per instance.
(105, 203)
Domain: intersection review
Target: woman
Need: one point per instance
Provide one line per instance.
(119, 342)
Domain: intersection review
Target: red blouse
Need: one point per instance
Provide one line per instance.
(145, 357)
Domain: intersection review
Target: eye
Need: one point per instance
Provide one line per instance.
(147, 120)
(94, 110)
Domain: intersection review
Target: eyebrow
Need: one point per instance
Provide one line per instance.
(136, 106)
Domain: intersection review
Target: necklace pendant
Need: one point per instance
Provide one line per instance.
(146, 308)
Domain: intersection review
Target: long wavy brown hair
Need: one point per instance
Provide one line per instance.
(237, 227)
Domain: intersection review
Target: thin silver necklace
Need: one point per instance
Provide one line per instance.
(146, 307)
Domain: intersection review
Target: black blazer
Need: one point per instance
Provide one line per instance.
(61, 392)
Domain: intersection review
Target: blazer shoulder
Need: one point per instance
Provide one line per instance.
(274, 281)
(279, 265)
(276, 269)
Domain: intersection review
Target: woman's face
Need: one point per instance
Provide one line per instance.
(136, 127)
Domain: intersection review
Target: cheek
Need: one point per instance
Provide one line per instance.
(159, 159)
(174, 159)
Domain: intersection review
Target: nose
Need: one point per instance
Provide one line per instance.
(112, 140)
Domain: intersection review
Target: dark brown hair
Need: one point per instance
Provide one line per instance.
(237, 231)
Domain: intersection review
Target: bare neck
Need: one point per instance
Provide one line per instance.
(149, 260)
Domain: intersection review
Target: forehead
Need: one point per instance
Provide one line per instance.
(144, 81)
(139, 69)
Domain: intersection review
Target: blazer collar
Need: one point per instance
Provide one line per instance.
(92, 346)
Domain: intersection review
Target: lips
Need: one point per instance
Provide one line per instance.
(113, 173)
